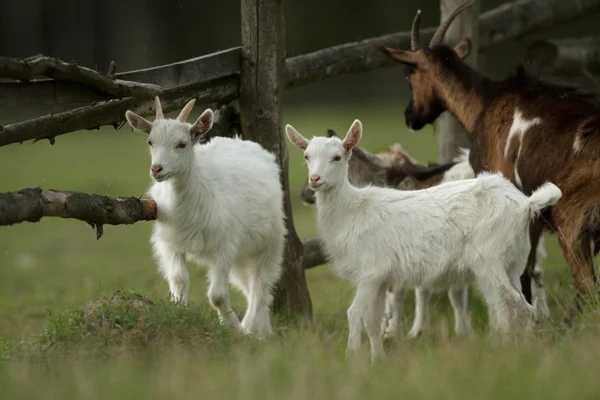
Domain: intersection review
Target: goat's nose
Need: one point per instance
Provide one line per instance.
(314, 178)
(156, 169)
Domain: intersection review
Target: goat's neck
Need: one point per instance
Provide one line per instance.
(462, 93)
(334, 200)
(190, 189)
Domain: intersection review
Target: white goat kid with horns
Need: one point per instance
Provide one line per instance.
(221, 205)
(470, 230)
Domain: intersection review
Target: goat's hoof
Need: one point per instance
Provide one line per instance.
(415, 333)
(390, 334)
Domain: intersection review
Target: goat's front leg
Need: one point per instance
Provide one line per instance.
(372, 320)
(218, 294)
(355, 319)
(172, 265)
(421, 322)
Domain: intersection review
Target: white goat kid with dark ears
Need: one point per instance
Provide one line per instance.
(221, 205)
(473, 230)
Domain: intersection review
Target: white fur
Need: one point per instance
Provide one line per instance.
(219, 204)
(577, 146)
(459, 232)
(519, 127)
(458, 295)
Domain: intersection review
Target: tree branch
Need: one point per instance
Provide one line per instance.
(32, 67)
(567, 57)
(33, 204)
(112, 112)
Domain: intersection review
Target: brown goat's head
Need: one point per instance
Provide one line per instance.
(422, 70)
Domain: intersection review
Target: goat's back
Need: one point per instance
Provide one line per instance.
(422, 234)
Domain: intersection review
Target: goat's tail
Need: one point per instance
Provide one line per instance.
(546, 195)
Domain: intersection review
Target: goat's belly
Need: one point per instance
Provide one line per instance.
(434, 278)
(447, 280)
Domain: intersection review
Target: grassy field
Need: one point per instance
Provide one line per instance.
(56, 345)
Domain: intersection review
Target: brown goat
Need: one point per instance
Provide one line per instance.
(392, 168)
(531, 131)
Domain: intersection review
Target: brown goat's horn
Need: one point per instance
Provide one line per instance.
(159, 112)
(414, 38)
(185, 112)
(438, 36)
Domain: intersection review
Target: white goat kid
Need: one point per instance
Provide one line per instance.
(221, 205)
(458, 294)
(470, 230)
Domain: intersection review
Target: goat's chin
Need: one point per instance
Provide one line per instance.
(318, 188)
(162, 178)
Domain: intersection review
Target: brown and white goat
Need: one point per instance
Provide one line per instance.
(532, 131)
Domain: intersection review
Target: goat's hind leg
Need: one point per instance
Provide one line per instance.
(262, 277)
(508, 306)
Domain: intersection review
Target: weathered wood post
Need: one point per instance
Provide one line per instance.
(451, 134)
(261, 94)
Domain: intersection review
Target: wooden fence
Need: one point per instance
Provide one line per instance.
(254, 74)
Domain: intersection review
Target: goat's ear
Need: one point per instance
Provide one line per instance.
(353, 136)
(331, 133)
(408, 183)
(401, 56)
(138, 123)
(463, 48)
(295, 137)
(203, 124)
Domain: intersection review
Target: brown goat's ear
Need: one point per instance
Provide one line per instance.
(353, 136)
(408, 183)
(295, 137)
(138, 123)
(203, 124)
(463, 48)
(401, 56)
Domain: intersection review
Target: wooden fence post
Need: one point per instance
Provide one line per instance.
(261, 95)
(451, 134)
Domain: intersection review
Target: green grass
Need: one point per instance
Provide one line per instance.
(63, 334)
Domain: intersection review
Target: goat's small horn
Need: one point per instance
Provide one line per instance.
(438, 36)
(185, 112)
(159, 112)
(414, 38)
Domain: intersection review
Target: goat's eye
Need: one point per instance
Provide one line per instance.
(150, 143)
(306, 158)
(336, 158)
(181, 145)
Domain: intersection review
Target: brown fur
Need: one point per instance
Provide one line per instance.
(440, 81)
